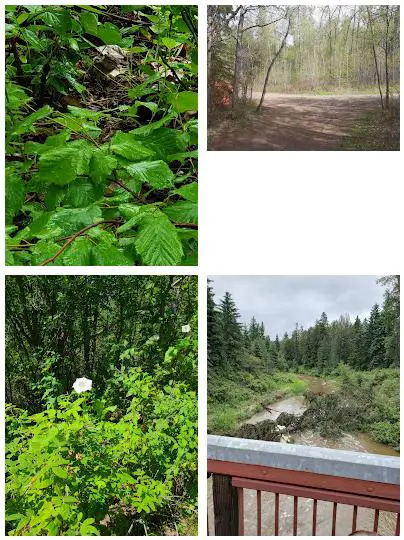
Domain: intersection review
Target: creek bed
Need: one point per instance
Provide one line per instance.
(359, 442)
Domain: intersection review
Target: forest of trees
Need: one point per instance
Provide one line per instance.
(362, 344)
(101, 414)
(303, 49)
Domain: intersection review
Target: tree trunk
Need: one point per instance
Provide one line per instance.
(271, 65)
(237, 61)
(386, 60)
(375, 57)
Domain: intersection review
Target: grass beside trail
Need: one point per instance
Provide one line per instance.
(374, 131)
(234, 397)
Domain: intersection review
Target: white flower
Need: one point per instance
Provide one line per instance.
(82, 385)
(186, 328)
(281, 428)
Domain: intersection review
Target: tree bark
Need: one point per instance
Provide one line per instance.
(271, 65)
(237, 61)
(375, 57)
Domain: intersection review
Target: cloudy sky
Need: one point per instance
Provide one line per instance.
(282, 301)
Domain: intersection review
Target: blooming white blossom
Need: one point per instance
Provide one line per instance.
(82, 385)
(281, 428)
(186, 328)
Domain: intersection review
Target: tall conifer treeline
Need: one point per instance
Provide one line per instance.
(363, 344)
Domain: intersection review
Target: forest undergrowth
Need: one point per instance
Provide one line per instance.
(101, 135)
(101, 414)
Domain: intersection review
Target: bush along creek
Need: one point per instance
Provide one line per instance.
(101, 135)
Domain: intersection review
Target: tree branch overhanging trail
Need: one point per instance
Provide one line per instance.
(283, 43)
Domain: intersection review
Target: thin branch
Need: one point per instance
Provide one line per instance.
(186, 226)
(73, 238)
(262, 25)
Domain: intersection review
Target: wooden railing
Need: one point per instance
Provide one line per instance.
(294, 472)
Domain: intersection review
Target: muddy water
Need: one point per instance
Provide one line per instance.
(359, 442)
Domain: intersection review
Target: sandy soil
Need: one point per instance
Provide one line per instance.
(293, 122)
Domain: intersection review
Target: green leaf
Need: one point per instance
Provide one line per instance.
(127, 146)
(155, 173)
(89, 21)
(26, 125)
(82, 193)
(157, 241)
(102, 164)
(68, 221)
(43, 250)
(107, 255)
(144, 88)
(184, 101)
(109, 33)
(169, 42)
(62, 165)
(15, 193)
(188, 192)
(183, 212)
(78, 253)
(163, 141)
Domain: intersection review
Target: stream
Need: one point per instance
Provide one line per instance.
(359, 442)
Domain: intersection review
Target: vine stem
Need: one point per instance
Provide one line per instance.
(73, 238)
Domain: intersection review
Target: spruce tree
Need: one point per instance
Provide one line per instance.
(230, 330)
(215, 338)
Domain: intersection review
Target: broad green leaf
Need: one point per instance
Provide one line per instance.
(188, 192)
(155, 173)
(184, 101)
(89, 22)
(183, 212)
(102, 164)
(169, 42)
(127, 146)
(58, 19)
(62, 165)
(78, 253)
(157, 241)
(163, 141)
(107, 255)
(44, 250)
(109, 34)
(82, 193)
(71, 220)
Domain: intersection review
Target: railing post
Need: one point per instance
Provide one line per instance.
(225, 501)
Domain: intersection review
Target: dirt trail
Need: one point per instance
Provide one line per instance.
(293, 122)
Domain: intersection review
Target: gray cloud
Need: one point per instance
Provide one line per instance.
(282, 301)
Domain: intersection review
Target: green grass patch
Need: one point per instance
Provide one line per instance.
(235, 397)
(374, 131)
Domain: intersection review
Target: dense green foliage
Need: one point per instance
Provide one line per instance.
(367, 401)
(101, 135)
(121, 458)
(363, 344)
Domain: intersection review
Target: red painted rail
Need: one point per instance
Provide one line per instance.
(232, 479)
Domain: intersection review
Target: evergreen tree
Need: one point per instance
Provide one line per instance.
(376, 339)
(215, 338)
(230, 329)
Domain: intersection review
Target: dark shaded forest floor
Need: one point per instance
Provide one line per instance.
(307, 122)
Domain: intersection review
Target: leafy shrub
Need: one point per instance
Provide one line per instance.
(92, 186)
(89, 465)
